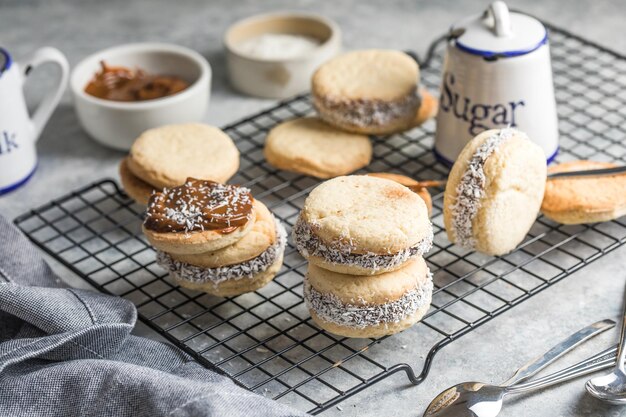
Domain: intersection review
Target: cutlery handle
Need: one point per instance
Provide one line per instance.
(537, 364)
(622, 339)
(588, 173)
(602, 360)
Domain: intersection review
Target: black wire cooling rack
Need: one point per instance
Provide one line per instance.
(266, 340)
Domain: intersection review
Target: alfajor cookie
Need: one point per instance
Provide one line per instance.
(428, 108)
(166, 156)
(312, 147)
(411, 184)
(576, 200)
(135, 187)
(368, 306)
(362, 225)
(244, 266)
(494, 191)
(368, 91)
(198, 216)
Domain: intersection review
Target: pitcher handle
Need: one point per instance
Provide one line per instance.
(499, 13)
(44, 110)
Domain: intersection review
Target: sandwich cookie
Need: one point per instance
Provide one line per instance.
(369, 91)
(166, 156)
(312, 147)
(245, 266)
(198, 216)
(135, 187)
(579, 200)
(362, 225)
(411, 184)
(494, 191)
(368, 306)
(429, 106)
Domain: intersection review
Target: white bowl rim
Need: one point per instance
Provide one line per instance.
(203, 64)
(335, 33)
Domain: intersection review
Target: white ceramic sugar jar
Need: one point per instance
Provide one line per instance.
(496, 73)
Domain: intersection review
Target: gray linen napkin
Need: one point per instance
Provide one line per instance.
(69, 352)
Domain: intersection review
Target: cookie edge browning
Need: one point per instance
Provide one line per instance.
(262, 214)
(307, 166)
(578, 214)
(135, 187)
(190, 243)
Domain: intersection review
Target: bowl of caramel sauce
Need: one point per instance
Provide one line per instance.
(122, 91)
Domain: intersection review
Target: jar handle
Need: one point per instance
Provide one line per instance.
(499, 13)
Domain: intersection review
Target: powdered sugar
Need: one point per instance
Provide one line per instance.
(330, 308)
(247, 269)
(470, 189)
(341, 251)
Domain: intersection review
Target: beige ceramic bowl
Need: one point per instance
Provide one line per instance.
(279, 78)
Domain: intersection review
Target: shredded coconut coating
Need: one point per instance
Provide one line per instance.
(247, 269)
(471, 189)
(366, 113)
(340, 252)
(359, 315)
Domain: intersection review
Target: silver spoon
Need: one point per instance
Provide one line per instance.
(612, 387)
(479, 399)
(476, 399)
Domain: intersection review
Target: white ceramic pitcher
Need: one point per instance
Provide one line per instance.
(497, 73)
(19, 131)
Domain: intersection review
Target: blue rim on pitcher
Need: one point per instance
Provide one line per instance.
(5, 60)
(16, 185)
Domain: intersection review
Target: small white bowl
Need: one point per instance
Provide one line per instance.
(117, 124)
(279, 78)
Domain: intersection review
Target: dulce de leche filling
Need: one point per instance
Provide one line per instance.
(125, 84)
(199, 205)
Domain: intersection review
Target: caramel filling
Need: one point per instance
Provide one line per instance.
(199, 205)
(125, 84)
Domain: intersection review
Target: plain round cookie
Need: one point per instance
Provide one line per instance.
(312, 147)
(194, 242)
(411, 184)
(581, 200)
(373, 215)
(508, 204)
(231, 288)
(368, 306)
(166, 156)
(261, 236)
(369, 91)
(136, 188)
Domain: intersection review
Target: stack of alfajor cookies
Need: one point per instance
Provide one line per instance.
(166, 156)
(214, 238)
(364, 238)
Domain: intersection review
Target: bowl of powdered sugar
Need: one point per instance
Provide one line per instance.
(274, 55)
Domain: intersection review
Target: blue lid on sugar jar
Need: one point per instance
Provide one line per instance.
(499, 33)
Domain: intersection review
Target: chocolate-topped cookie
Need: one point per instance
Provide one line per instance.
(198, 216)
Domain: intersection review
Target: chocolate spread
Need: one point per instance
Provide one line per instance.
(125, 84)
(199, 205)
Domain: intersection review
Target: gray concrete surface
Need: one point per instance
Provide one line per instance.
(68, 159)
